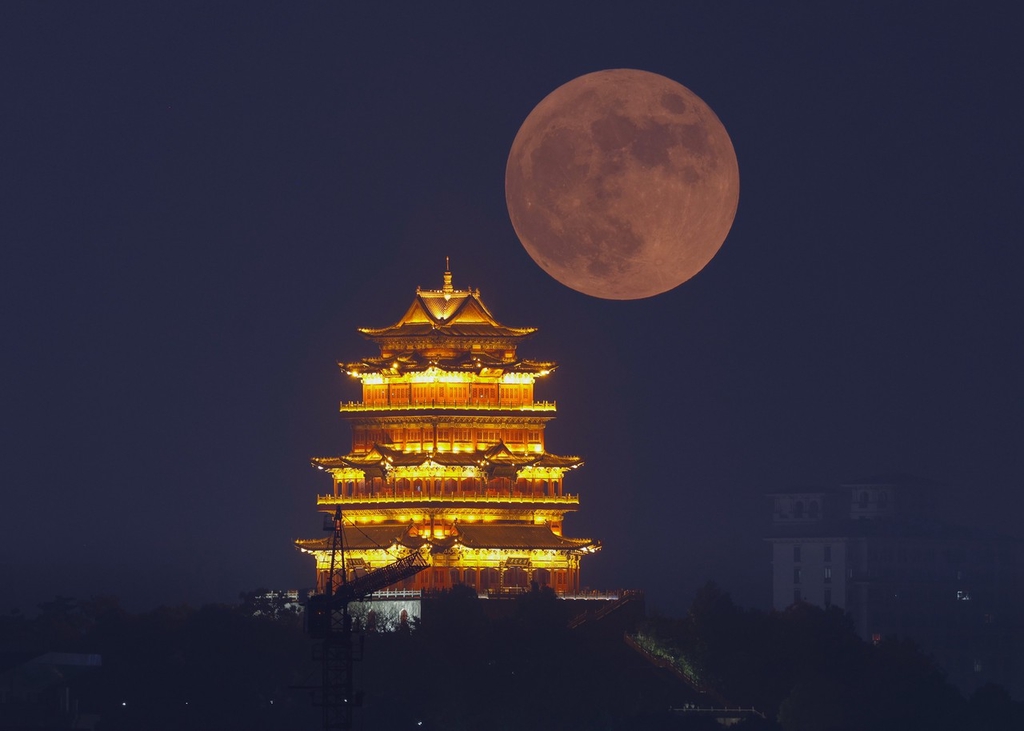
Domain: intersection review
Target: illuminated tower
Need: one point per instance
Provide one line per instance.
(448, 457)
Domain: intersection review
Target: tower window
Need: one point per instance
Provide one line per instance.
(796, 553)
(796, 575)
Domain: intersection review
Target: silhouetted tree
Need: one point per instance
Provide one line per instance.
(990, 708)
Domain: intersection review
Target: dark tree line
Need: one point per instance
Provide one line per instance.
(460, 669)
(235, 667)
(807, 669)
(215, 667)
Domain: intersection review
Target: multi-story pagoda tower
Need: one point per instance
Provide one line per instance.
(449, 457)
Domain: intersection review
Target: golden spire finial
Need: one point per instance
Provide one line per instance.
(447, 289)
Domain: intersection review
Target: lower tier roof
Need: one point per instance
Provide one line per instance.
(495, 455)
(470, 535)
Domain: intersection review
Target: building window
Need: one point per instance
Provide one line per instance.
(828, 597)
(796, 554)
(828, 553)
(796, 575)
(796, 596)
(828, 574)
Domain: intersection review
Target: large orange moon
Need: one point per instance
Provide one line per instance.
(622, 184)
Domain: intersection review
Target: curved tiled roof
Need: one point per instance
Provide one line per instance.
(490, 535)
(462, 362)
(447, 312)
(362, 537)
(470, 535)
(493, 456)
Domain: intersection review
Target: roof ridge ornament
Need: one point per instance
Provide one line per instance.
(447, 288)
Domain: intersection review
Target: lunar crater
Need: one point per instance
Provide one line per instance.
(674, 103)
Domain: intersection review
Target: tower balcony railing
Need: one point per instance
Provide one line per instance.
(485, 496)
(444, 405)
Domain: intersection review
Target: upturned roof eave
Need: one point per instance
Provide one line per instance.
(448, 330)
(469, 311)
(450, 365)
(495, 454)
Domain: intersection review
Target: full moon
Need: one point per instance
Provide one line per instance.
(622, 184)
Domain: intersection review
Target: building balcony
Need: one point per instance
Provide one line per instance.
(464, 498)
(359, 406)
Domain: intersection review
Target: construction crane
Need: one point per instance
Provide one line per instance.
(328, 620)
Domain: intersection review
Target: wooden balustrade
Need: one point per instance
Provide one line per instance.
(492, 496)
(349, 406)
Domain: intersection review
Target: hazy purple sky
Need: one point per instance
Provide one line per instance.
(201, 202)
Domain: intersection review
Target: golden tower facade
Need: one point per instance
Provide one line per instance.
(449, 457)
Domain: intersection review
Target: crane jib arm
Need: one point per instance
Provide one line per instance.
(379, 579)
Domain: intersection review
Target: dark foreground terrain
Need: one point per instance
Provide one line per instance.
(237, 667)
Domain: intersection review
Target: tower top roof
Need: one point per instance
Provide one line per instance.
(445, 313)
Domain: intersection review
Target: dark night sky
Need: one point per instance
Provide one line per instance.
(202, 202)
